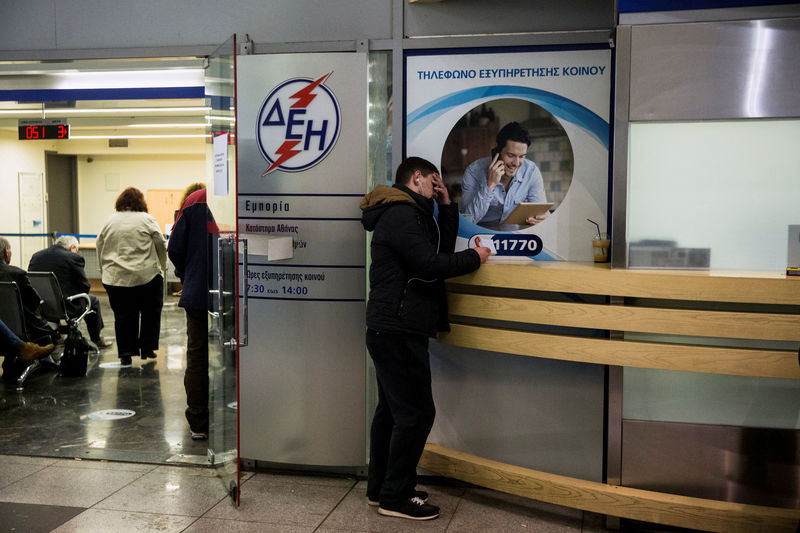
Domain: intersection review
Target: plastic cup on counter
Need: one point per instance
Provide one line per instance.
(600, 246)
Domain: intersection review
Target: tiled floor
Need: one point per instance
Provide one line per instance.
(52, 494)
(61, 470)
(51, 416)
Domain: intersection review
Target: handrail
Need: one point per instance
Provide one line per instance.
(624, 502)
(504, 307)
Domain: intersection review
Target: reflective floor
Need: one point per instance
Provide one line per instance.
(63, 468)
(58, 417)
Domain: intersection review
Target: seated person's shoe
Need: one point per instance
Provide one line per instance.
(102, 342)
(412, 508)
(125, 360)
(30, 351)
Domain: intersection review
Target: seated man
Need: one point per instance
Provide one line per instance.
(12, 347)
(63, 260)
(37, 329)
(494, 186)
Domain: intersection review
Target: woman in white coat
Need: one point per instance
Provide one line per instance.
(132, 252)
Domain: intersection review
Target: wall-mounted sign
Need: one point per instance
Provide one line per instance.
(43, 129)
(457, 105)
(298, 124)
(302, 160)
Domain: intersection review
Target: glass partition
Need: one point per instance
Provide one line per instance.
(712, 194)
(379, 171)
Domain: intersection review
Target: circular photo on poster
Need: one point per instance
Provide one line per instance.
(508, 163)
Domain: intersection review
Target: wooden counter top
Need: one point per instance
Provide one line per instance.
(593, 278)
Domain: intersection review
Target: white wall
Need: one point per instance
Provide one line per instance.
(151, 164)
(143, 171)
(67, 28)
(89, 24)
(16, 157)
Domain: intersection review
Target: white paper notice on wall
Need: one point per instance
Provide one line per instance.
(280, 248)
(274, 248)
(221, 165)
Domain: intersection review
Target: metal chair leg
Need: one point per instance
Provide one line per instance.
(30, 369)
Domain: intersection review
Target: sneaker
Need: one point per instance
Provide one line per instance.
(412, 508)
(30, 351)
(421, 494)
(199, 435)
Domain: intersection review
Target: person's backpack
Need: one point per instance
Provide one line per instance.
(76, 355)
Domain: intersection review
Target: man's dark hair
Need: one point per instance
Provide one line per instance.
(131, 199)
(512, 132)
(408, 167)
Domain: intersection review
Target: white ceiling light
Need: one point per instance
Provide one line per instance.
(170, 136)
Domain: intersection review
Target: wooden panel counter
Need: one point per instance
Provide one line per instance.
(520, 309)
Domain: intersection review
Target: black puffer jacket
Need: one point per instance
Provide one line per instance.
(411, 256)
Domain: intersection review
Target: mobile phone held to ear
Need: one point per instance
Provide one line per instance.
(495, 152)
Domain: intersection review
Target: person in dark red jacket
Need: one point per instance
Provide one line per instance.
(412, 254)
(190, 249)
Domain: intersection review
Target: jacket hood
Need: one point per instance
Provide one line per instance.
(375, 203)
(383, 194)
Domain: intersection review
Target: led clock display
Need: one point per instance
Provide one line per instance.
(43, 132)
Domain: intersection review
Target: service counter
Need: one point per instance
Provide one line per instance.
(642, 394)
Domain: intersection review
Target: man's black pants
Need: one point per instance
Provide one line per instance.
(404, 416)
(195, 379)
(137, 316)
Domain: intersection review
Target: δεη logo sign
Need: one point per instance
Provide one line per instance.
(298, 124)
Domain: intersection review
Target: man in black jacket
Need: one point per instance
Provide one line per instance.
(63, 260)
(37, 329)
(412, 254)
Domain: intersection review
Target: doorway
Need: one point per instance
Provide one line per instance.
(151, 141)
(61, 179)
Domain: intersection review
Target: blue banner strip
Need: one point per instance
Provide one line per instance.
(76, 235)
(298, 218)
(136, 93)
(356, 195)
(640, 6)
(304, 299)
(284, 265)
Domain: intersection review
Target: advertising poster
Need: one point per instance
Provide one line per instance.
(302, 128)
(552, 198)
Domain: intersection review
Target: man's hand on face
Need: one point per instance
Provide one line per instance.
(496, 172)
(440, 192)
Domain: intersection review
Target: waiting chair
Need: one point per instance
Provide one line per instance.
(13, 314)
(54, 307)
(11, 308)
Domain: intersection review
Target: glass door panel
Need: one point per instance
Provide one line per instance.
(220, 88)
